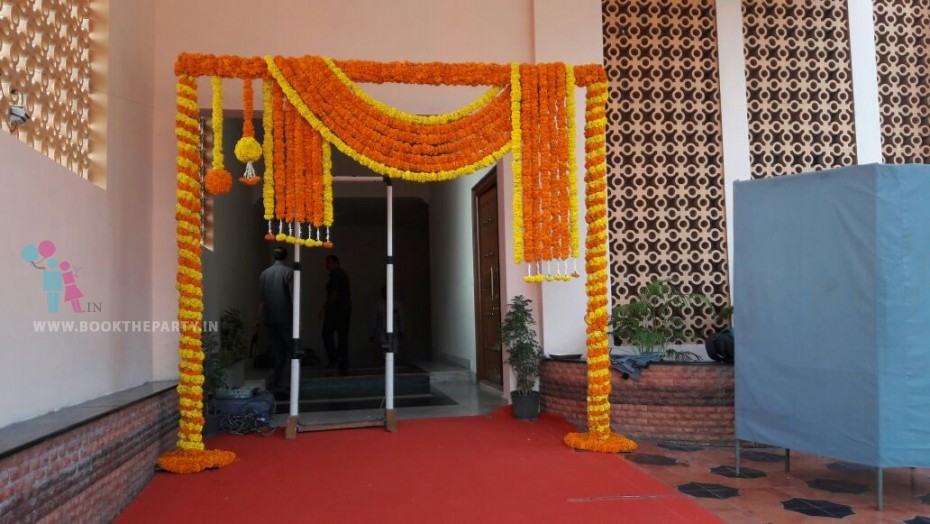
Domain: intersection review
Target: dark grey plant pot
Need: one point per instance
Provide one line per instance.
(525, 407)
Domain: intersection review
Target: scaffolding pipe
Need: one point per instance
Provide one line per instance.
(390, 416)
(294, 407)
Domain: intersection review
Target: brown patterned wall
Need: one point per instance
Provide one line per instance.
(798, 85)
(902, 46)
(664, 144)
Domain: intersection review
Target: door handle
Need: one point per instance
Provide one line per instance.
(492, 282)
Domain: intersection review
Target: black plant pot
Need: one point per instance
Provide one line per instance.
(525, 407)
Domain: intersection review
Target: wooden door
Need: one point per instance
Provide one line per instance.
(487, 281)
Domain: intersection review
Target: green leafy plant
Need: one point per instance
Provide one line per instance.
(652, 321)
(523, 349)
(232, 337)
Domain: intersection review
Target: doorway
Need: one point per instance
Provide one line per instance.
(487, 281)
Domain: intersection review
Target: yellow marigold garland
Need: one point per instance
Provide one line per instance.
(190, 457)
(378, 167)
(409, 117)
(268, 153)
(218, 180)
(599, 436)
(327, 191)
(572, 160)
(516, 138)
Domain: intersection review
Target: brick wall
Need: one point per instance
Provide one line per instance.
(688, 403)
(91, 473)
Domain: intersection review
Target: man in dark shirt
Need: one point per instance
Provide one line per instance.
(336, 312)
(276, 313)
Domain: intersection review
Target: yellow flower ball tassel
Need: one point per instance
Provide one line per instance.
(218, 180)
(248, 150)
(190, 455)
(268, 132)
(599, 437)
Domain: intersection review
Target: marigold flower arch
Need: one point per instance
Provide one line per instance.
(312, 103)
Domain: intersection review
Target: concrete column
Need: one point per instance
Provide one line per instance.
(733, 107)
(865, 82)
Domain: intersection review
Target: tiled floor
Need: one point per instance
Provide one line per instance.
(761, 499)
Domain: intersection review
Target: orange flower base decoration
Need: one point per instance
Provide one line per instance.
(613, 443)
(194, 460)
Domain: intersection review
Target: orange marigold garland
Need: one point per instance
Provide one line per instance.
(248, 150)
(190, 456)
(280, 169)
(599, 437)
(218, 180)
(290, 170)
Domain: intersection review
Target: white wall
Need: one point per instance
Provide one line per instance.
(453, 270)
(103, 232)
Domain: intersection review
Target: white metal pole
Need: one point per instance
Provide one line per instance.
(294, 408)
(390, 416)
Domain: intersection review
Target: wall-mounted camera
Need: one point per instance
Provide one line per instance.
(18, 114)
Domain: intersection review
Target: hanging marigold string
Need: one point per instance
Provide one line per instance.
(516, 148)
(268, 133)
(299, 150)
(327, 191)
(530, 93)
(190, 455)
(599, 436)
(572, 162)
(280, 168)
(290, 181)
(218, 180)
(248, 150)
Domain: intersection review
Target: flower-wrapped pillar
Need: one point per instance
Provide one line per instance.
(190, 455)
(599, 436)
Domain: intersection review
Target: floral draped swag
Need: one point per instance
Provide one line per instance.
(311, 104)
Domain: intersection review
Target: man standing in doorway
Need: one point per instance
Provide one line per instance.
(336, 312)
(276, 314)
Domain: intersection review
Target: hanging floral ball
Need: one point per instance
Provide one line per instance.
(280, 237)
(218, 181)
(269, 236)
(250, 181)
(248, 149)
(328, 244)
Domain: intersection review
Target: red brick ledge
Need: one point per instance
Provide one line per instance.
(685, 403)
(89, 471)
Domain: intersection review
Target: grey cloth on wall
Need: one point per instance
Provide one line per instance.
(832, 303)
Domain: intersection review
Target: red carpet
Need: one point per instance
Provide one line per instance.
(471, 469)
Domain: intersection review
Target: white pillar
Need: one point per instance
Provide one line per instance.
(733, 108)
(390, 416)
(865, 82)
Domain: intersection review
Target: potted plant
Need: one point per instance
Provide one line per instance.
(524, 355)
(652, 322)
